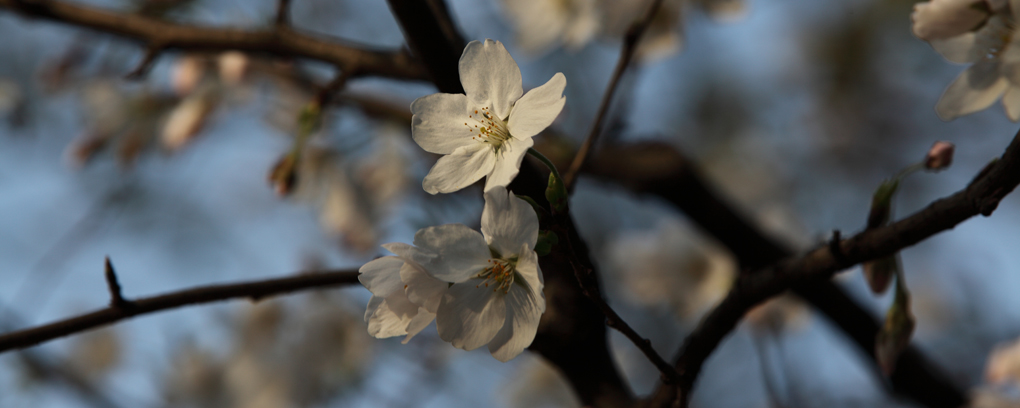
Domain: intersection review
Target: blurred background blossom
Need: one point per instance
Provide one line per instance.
(795, 110)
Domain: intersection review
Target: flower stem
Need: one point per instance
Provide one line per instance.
(555, 191)
(545, 160)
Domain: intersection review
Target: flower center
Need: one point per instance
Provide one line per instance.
(488, 129)
(500, 273)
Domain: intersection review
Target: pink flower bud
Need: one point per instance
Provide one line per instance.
(941, 19)
(939, 156)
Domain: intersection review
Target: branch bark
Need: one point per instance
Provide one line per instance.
(661, 170)
(279, 40)
(204, 294)
(981, 196)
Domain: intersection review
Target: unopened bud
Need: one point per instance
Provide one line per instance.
(939, 156)
(942, 19)
(186, 74)
(284, 176)
(233, 65)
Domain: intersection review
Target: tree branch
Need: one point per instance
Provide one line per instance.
(630, 42)
(279, 40)
(204, 294)
(981, 196)
(661, 170)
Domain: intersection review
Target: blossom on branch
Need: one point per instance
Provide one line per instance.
(486, 132)
(496, 293)
(404, 297)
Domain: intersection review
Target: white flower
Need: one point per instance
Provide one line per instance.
(496, 297)
(995, 72)
(486, 132)
(542, 24)
(404, 297)
(941, 19)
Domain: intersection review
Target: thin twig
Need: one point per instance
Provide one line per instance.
(282, 13)
(630, 42)
(981, 196)
(282, 41)
(116, 297)
(254, 290)
(329, 92)
(585, 275)
(662, 170)
(151, 53)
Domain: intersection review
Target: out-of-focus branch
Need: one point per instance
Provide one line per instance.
(661, 170)
(204, 294)
(281, 40)
(981, 196)
(630, 43)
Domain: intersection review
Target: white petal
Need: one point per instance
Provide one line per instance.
(390, 316)
(528, 268)
(975, 89)
(538, 108)
(409, 253)
(462, 251)
(1011, 101)
(490, 76)
(422, 289)
(439, 122)
(382, 276)
(940, 19)
(518, 331)
(470, 316)
(956, 49)
(508, 163)
(976, 46)
(460, 169)
(508, 222)
(419, 323)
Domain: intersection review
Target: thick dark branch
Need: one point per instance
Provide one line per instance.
(433, 38)
(659, 169)
(279, 40)
(204, 294)
(630, 43)
(981, 196)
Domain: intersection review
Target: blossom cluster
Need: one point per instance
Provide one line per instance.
(481, 288)
(981, 33)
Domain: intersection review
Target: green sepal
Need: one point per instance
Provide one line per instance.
(881, 203)
(556, 194)
(539, 211)
(894, 336)
(546, 240)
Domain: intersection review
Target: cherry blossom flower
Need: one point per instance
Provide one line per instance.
(496, 293)
(994, 52)
(486, 132)
(404, 297)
